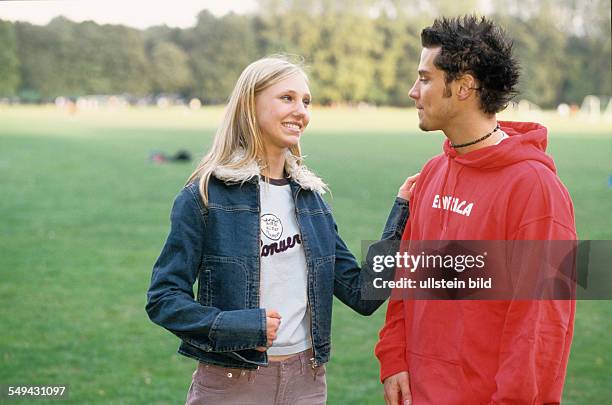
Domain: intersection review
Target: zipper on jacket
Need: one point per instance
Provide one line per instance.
(259, 262)
(308, 305)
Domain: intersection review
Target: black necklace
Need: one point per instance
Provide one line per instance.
(463, 145)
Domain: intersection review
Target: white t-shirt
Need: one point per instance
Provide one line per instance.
(504, 136)
(283, 268)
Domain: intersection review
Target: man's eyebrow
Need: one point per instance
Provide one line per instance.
(424, 72)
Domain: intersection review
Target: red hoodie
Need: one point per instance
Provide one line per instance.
(485, 352)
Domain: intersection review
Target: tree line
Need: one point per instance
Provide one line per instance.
(352, 54)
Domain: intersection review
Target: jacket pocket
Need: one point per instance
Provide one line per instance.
(225, 282)
(324, 276)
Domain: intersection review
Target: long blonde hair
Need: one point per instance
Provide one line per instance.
(239, 128)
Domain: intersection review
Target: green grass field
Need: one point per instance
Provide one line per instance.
(84, 215)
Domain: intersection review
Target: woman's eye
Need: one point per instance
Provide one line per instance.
(423, 80)
(286, 98)
(306, 102)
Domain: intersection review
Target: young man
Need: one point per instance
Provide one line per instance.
(478, 352)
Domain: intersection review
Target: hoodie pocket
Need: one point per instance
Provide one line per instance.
(437, 381)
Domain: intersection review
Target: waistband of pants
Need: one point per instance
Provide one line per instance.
(303, 359)
(306, 358)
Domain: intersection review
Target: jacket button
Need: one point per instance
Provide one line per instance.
(229, 375)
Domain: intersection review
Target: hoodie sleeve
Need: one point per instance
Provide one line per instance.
(392, 340)
(535, 346)
(391, 347)
(537, 334)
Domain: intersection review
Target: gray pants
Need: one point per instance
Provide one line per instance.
(289, 382)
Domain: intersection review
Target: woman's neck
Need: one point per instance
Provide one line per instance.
(275, 167)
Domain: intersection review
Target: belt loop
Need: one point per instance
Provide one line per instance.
(315, 368)
(302, 360)
(252, 375)
(315, 371)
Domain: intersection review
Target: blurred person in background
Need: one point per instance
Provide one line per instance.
(252, 228)
(493, 181)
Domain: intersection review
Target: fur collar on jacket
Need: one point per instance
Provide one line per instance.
(297, 172)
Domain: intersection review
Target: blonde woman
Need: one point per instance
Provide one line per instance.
(252, 228)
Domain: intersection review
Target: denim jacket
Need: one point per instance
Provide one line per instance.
(219, 246)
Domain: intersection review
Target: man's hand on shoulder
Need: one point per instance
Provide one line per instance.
(397, 387)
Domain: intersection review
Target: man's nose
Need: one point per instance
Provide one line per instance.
(414, 92)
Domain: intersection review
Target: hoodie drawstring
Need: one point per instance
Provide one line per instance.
(452, 193)
(441, 193)
(444, 214)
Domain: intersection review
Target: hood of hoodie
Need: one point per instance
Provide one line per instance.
(527, 141)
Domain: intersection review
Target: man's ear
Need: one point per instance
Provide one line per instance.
(465, 86)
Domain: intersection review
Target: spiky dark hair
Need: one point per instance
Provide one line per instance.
(475, 45)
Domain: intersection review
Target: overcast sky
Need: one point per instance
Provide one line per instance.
(135, 13)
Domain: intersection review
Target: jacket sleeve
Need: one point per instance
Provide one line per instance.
(350, 279)
(536, 336)
(170, 299)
